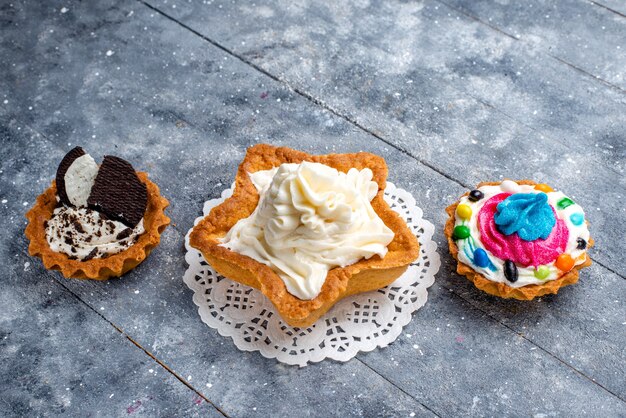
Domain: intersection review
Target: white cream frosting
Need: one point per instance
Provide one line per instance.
(525, 274)
(79, 231)
(310, 218)
(79, 179)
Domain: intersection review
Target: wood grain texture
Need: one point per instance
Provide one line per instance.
(457, 95)
(182, 99)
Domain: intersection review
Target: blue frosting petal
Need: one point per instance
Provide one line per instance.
(528, 214)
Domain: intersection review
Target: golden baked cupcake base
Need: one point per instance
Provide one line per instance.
(155, 221)
(362, 276)
(528, 292)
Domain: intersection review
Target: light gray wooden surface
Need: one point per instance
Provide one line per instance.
(450, 93)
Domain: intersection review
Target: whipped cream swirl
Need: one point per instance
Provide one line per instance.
(310, 218)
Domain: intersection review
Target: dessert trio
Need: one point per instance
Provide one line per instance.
(308, 230)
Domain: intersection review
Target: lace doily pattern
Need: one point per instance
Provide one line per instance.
(360, 322)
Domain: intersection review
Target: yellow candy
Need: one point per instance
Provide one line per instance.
(544, 188)
(463, 211)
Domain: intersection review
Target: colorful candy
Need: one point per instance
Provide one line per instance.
(475, 195)
(510, 271)
(481, 259)
(564, 262)
(509, 186)
(527, 214)
(577, 218)
(461, 232)
(512, 247)
(542, 272)
(544, 188)
(526, 232)
(564, 203)
(464, 211)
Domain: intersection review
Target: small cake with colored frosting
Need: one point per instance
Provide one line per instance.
(307, 230)
(518, 239)
(96, 221)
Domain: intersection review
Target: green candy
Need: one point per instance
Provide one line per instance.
(542, 272)
(461, 232)
(565, 202)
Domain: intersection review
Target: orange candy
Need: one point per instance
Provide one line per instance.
(564, 262)
(544, 188)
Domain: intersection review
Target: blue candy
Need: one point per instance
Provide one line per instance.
(577, 218)
(481, 259)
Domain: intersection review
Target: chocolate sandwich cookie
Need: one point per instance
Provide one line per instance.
(75, 177)
(118, 193)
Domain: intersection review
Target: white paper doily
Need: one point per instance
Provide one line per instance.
(360, 322)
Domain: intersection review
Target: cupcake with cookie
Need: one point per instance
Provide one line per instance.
(518, 239)
(96, 221)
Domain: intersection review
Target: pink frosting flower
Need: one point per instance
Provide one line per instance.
(512, 247)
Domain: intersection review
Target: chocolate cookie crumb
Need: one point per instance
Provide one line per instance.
(78, 227)
(91, 254)
(124, 234)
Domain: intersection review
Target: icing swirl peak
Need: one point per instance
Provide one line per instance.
(528, 214)
(310, 218)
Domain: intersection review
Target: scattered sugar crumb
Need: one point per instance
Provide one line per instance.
(109, 53)
(64, 10)
(136, 292)
(209, 385)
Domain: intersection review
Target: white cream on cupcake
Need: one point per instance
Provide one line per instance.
(83, 233)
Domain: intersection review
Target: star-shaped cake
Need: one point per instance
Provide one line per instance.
(211, 235)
